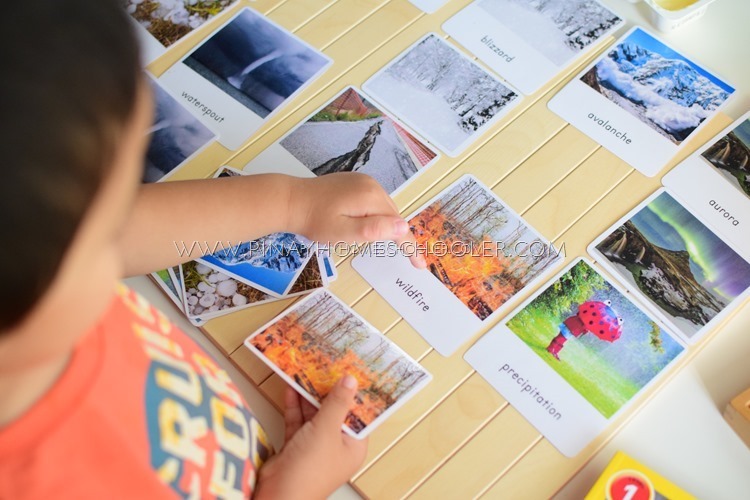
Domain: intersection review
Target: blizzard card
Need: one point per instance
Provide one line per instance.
(240, 75)
(688, 275)
(176, 136)
(574, 355)
(446, 97)
(349, 134)
(529, 42)
(319, 340)
(641, 100)
(479, 253)
(161, 23)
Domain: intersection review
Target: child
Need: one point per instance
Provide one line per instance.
(100, 396)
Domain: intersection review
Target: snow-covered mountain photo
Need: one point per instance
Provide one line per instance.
(658, 86)
(559, 29)
(441, 93)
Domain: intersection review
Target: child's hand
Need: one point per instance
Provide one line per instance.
(348, 207)
(317, 456)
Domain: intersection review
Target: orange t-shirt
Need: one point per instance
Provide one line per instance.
(140, 412)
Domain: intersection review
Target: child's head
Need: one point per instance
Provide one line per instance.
(74, 117)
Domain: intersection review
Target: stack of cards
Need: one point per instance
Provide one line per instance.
(480, 254)
(232, 278)
(641, 100)
(319, 340)
(528, 42)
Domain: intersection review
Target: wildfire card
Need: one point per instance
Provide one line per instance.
(574, 355)
(641, 100)
(528, 42)
(689, 276)
(442, 94)
(349, 134)
(319, 340)
(480, 254)
(235, 79)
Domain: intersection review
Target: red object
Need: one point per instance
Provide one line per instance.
(630, 485)
(601, 320)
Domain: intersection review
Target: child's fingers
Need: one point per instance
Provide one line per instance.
(374, 228)
(337, 404)
(308, 410)
(293, 416)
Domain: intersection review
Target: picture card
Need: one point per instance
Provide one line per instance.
(349, 134)
(574, 355)
(319, 340)
(429, 6)
(239, 76)
(641, 100)
(689, 276)
(167, 285)
(529, 42)
(176, 136)
(161, 23)
(479, 254)
(443, 95)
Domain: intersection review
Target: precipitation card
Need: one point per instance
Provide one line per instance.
(528, 42)
(241, 74)
(479, 254)
(686, 249)
(162, 23)
(320, 339)
(349, 133)
(641, 100)
(443, 95)
(176, 136)
(574, 356)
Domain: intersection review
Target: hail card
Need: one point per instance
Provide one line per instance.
(319, 340)
(350, 133)
(235, 79)
(641, 100)
(443, 95)
(529, 42)
(678, 258)
(176, 136)
(162, 23)
(574, 355)
(480, 254)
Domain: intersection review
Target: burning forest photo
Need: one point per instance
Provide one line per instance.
(319, 340)
(478, 248)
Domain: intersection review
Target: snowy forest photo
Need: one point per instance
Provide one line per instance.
(492, 253)
(320, 340)
(657, 85)
(559, 29)
(441, 93)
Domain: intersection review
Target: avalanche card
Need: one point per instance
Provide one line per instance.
(349, 134)
(235, 79)
(443, 95)
(176, 136)
(682, 258)
(641, 100)
(479, 253)
(529, 42)
(574, 356)
(161, 23)
(319, 340)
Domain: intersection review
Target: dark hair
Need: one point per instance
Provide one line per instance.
(70, 81)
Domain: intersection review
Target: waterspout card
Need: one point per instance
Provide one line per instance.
(529, 42)
(162, 23)
(238, 77)
(480, 254)
(349, 134)
(443, 95)
(574, 356)
(642, 100)
(681, 268)
(320, 339)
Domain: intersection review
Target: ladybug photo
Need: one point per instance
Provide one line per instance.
(604, 345)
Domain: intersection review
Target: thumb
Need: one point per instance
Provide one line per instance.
(374, 228)
(337, 403)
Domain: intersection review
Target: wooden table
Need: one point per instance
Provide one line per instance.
(457, 438)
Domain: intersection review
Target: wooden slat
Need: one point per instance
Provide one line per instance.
(293, 15)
